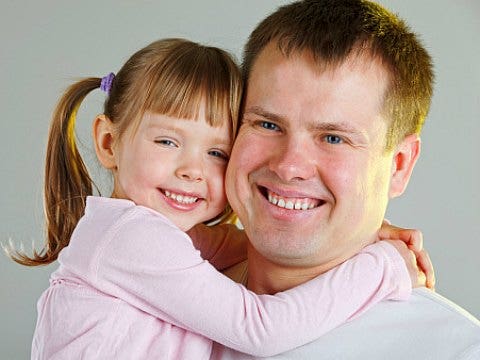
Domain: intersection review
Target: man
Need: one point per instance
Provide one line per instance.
(337, 93)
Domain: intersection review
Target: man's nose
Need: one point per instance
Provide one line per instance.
(293, 160)
(190, 168)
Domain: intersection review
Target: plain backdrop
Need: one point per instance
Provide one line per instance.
(45, 45)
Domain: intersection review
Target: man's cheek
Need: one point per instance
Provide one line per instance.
(341, 177)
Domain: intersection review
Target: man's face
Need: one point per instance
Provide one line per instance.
(308, 175)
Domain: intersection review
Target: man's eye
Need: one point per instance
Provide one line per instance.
(269, 125)
(333, 139)
(166, 142)
(219, 154)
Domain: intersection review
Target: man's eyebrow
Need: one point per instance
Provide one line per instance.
(335, 126)
(257, 110)
(342, 126)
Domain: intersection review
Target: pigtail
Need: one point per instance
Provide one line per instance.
(67, 182)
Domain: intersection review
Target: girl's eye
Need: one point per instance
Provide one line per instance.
(218, 154)
(269, 125)
(333, 139)
(166, 142)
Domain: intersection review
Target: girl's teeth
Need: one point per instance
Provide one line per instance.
(180, 198)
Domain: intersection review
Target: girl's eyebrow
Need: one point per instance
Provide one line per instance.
(170, 127)
(165, 126)
(221, 141)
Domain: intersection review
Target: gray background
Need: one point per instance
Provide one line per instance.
(46, 44)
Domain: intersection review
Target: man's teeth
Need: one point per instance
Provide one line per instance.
(182, 199)
(290, 204)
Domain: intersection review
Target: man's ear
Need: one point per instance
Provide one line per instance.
(404, 158)
(104, 140)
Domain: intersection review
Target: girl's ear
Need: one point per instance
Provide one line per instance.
(104, 140)
(404, 159)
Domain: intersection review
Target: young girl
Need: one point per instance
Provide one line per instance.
(130, 284)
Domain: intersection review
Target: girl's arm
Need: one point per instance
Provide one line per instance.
(155, 268)
(225, 246)
(222, 245)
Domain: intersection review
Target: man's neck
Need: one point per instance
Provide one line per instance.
(267, 277)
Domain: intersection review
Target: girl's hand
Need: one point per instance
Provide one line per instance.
(415, 256)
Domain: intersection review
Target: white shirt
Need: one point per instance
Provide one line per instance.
(428, 326)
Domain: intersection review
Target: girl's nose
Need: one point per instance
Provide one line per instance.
(190, 170)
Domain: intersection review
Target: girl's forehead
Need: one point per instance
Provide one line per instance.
(173, 123)
(215, 115)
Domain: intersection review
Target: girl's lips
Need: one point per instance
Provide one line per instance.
(181, 200)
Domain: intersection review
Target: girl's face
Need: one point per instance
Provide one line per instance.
(174, 166)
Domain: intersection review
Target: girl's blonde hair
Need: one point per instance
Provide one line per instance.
(172, 77)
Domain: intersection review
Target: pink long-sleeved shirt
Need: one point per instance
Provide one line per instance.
(131, 285)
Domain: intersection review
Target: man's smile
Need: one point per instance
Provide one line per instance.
(289, 202)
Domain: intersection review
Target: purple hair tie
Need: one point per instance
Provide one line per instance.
(106, 83)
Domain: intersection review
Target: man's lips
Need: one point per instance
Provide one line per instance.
(290, 203)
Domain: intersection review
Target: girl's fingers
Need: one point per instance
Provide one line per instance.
(412, 237)
(425, 264)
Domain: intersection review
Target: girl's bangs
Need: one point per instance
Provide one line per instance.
(185, 86)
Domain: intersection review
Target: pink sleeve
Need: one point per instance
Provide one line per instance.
(155, 268)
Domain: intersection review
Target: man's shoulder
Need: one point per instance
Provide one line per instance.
(427, 326)
(426, 303)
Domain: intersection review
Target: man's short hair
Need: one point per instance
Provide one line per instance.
(333, 30)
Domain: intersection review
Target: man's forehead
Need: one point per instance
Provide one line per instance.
(272, 68)
(275, 74)
(360, 56)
